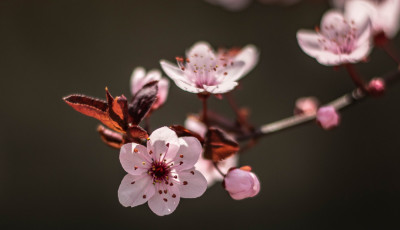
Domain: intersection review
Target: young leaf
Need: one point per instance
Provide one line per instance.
(111, 138)
(183, 132)
(91, 107)
(219, 145)
(136, 134)
(142, 102)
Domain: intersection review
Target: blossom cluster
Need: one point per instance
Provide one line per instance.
(182, 161)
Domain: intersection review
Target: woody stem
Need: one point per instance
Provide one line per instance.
(358, 81)
(341, 102)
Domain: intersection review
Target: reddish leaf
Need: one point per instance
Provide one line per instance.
(136, 134)
(111, 138)
(118, 111)
(219, 145)
(142, 102)
(182, 132)
(91, 107)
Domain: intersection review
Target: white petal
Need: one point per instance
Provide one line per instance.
(231, 72)
(188, 87)
(208, 170)
(249, 55)
(163, 144)
(137, 78)
(360, 53)
(221, 88)
(388, 17)
(164, 203)
(201, 49)
(134, 158)
(309, 42)
(135, 190)
(172, 71)
(188, 154)
(192, 183)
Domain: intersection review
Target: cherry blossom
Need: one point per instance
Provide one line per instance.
(139, 78)
(205, 71)
(327, 117)
(241, 183)
(205, 166)
(384, 14)
(342, 38)
(306, 105)
(161, 173)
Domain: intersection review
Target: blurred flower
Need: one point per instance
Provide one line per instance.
(232, 5)
(306, 105)
(327, 117)
(384, 14)
(162, 173)
(205, 166)
(139, 78)
(342, 38)
(204, 71)
(241, 183)
(237, 5)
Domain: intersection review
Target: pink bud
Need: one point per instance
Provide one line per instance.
(306, 105)
(376, 87)
(241, 183)
(327, 117)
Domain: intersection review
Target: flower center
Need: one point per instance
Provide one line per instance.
(339, 36)
(159, 171)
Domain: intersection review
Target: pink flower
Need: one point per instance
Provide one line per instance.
(384, 14)
(204, 71)
(306, 105)
(241, 183)
(139, 78)
(340, 39)
(205, 166)
(162, 172)
(327, 117)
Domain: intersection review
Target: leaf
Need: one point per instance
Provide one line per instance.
(142, 102)
(183, 132)
(137, 134)
(91, 107)
(118, 111)
(219, 145)
(111, 138)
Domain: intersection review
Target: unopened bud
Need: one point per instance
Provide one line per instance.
(306, 105)
(327, 117)
(377, 87)
(241, 183)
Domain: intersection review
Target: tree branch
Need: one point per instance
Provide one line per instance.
(340, 103)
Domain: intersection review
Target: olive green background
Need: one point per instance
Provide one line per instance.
(55, 173)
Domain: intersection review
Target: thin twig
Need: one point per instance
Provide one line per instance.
(340, 103)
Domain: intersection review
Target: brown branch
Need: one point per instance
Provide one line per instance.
(340, 103)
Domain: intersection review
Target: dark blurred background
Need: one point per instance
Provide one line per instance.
(57, 174)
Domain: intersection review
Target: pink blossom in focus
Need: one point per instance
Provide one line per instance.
(342, 38)
(205, 166)
(384, 14)
(306, 105)
(162, 172)
(139, 78)
(204, 71)
(327, 117)
(241, 183)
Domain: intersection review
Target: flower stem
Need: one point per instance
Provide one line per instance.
(218, 169)
(240, 118)
(358, 81)
(204, 117)
(342, 102)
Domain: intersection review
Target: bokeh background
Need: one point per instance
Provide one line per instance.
(56, 173)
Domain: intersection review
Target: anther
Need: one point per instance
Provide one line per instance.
(173, 195)
(135, 150)
(185, 183)
(144, 196)
(165, 199)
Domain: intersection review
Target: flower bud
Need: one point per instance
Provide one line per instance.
(241, 183)
(327, 117)
(376, 87)
(306, 105)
